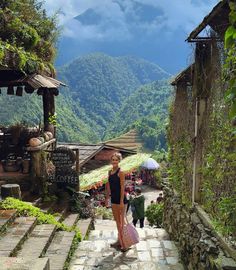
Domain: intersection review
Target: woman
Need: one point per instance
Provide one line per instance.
(116, 189)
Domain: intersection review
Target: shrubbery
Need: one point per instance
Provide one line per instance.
(154, 214)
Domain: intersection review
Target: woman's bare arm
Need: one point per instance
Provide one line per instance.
(107, 190)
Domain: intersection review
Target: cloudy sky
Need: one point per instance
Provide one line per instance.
(126, 20)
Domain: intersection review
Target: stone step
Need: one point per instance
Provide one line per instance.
(60, 246)
(15, 235)
(13, 263)
(154, 251)
(59, 249)
(38, 241)
(84, 225)
(40, 238)
(71, 220)
(6, 217)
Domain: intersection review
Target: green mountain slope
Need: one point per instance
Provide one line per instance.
(101, 83)
(29, 109)
(146, 110)
(100, 100)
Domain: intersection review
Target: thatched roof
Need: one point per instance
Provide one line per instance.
(186, 76)
(217, 19)
(129, 140)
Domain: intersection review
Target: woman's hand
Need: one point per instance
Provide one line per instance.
(122, 206)
(107, 202)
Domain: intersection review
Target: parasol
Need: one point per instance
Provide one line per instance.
(150, 164)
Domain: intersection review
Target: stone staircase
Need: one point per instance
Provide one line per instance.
(154, 251)
(24, 245)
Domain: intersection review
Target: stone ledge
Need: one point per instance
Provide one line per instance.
(207, 223)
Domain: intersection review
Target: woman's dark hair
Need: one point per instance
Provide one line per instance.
(138, 190)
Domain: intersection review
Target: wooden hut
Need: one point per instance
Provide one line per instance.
(16, 82)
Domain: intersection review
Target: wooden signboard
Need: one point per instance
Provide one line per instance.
(63, 159)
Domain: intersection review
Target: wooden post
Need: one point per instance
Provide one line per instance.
(202, 87)
(77, 161)
(46, 108)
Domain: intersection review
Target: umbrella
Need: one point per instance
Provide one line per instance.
(150, 164)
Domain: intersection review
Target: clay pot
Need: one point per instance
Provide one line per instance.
(50, 135)
(41, 139)
(33, 142)
(46, 137)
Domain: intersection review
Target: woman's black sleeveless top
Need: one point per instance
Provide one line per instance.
(114, 182)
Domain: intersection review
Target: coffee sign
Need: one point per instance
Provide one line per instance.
(63, 159)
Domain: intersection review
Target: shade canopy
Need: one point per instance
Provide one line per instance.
(150, 164)
(97, 178)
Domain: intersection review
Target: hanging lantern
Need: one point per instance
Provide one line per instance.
(19, 90)
(55, 91)
(10, 90)
(40, 92)
(29, 89)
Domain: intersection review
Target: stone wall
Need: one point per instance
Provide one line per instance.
(201, 248)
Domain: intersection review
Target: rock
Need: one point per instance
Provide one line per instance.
(195, 219)
(228, 263)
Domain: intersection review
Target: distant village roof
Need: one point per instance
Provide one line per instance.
(217, 19)
(88, 151)
(129, 140)
(184, 76)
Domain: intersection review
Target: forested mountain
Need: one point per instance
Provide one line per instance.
(100, 83)
(103, 98)
(146, 110)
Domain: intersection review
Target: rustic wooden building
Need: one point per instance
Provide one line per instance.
(15, 82)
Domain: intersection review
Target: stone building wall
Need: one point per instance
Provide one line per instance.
(200, 246)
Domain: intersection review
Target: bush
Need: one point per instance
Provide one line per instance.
(154, 214)
(103, 212)
(82, 206)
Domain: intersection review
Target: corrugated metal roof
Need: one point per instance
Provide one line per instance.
(86, 151)
(35, 80)
(38, 81)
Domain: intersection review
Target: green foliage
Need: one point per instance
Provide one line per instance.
(230, 65)
(180, 167)
(147, 111)
(218, 171)
(82, 206)
(104, 212)
(26, 209)
(154, 214)
(27, 36)
(98, 90)
(103, 83)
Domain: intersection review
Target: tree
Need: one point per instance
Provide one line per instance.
(27, 36)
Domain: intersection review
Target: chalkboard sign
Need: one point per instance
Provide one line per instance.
(63, 157)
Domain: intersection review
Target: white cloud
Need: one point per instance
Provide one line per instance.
(121, 23)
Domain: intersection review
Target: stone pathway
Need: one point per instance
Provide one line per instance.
(154, 251)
